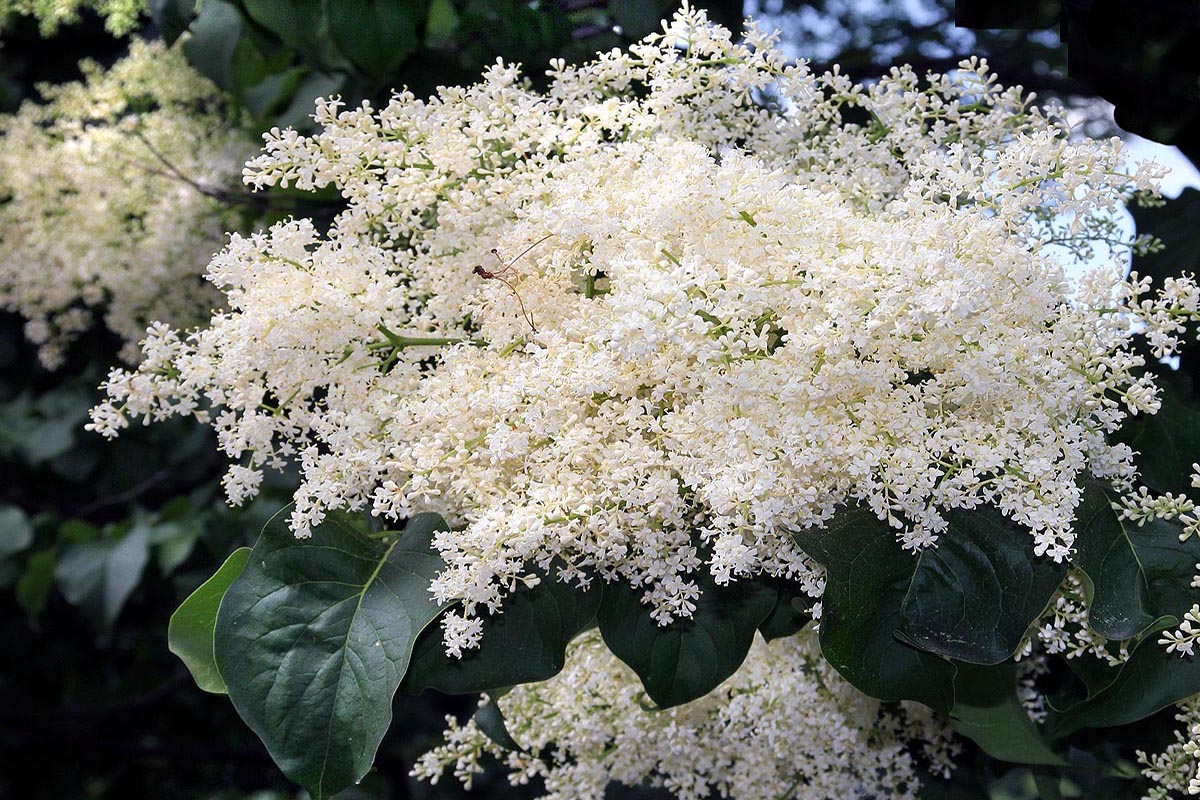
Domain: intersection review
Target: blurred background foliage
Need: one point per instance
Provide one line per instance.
(98, 544)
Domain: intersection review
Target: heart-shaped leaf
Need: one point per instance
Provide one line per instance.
(314, 636)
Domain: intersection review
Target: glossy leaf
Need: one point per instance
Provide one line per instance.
(688, 658)
(867, 576)
(99, 576)
(314, 636)
(974, 594)
(190, 632)
(525, 642)
(1133, 576)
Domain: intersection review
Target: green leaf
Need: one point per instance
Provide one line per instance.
(299, 112)
(270, 95)
(1168, 443)
(302, 25)
(1132, 576)
(987, 711)
(376, 35)
(314, 636)
(867, 574)
(491, 722)
(690, 657)
(99, 576)
(33, 589)
(172, 17)
(525, 642)
(792, 611)
(212, 47)
(974, 594)
(174, 541)
(441, 23)
(16, 533)
(1149, 681)
(1177, 224)
(190, 632)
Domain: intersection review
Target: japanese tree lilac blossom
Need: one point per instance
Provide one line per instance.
(672, 309)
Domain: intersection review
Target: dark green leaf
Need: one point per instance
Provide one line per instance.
(302, 25)
(1133, 576)
(1177, 224)
(491, 723)
(190, 632)
(987, 711)
(974, 595)
(791, 613)
(525, 642)
(33, 589)
(15, 531)
(99, 576)
(314, 636)
(172, 17)
(1168, 443)
(1149, 681)
(688, 658)
(376, 35)
(867, 575)
(213, 44)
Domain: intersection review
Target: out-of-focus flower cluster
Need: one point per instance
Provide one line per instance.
(111, 200)
(120, 16)
(678, 298)
(785, 725)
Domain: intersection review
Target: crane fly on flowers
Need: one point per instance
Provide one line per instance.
(499, 275)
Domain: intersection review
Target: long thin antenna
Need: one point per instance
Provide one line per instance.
(499, 276)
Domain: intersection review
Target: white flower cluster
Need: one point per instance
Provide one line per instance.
(1176, 770)
(677, 300)
(120, 16)
(105, 200)
(1063, 629)
(785, 725)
